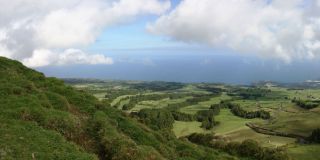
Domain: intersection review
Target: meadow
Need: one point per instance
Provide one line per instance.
(285, 116)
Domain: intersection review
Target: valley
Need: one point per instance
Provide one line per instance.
(288, 126)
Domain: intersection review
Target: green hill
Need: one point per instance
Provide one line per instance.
(41, 118)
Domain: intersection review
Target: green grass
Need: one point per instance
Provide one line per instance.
(301, 123)
(304, 152)
(21, 140)
(115, 101)
(230, 123)
(41, 118)
(100, 95)
(234, 129)
(193, 109)
(181, 129)
(286, 117)
(193, 89)
(157, 104)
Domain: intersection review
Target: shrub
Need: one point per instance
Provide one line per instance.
(250, 148)
(307, 104)
(206, 117)
(179, 116)
(156, 118)
(238, 111)
(315, 136)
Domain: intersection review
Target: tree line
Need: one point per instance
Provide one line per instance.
(248, 148)
(133, 100)
(240, 112)
(306, 104)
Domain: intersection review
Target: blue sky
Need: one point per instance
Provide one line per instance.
(188, 40)
(139, 55)
(134, 36)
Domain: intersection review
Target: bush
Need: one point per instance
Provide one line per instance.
(156, 118)
(206, 117)
(203, 139)
(315, 136)
(238, 111)
(250, 148)
(179, 116)
(307, 104)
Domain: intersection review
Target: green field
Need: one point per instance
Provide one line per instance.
(286, 117)
(157, 104)
(186, 128)
(234, 129)
(309, 152)
(204, 105)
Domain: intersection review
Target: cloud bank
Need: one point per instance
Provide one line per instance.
(49, 32)
(282, 29)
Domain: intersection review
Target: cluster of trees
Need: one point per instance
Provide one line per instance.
(163, 118)
(156, 118)
(248, 148)
(179, 116)
(238, 111)
(212, 89)
(199, 98)
(206, 117)
(133, 100)
(177, 96)
(315, 136)
(306, 104)
(249, 93)
(158, 86)
(191, 101)
(114, 93)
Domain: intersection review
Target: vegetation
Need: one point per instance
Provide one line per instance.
(114, 93)
(315, 136)
(190, 101)
(249, 93)
(158, 86)
(228, 111)
(238, 111)
(206, 117)
(306, 104)
(133, 100)
(156, 118)
(41, 118)
(179, 116)
(248, 148)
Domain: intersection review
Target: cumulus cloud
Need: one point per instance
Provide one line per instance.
(283, 29)
(45, 32)
(45, 57)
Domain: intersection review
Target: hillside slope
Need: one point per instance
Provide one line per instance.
(41, 118)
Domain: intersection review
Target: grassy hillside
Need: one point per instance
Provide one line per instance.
(41, 118)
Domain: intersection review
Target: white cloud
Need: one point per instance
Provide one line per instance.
(44, 57)
(283, 29)
(60, 25)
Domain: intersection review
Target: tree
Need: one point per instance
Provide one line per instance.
(315, 136)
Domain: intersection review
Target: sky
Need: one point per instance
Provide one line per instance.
(235, 41)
